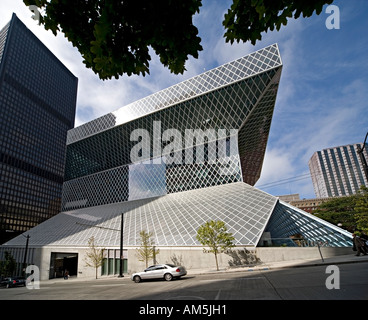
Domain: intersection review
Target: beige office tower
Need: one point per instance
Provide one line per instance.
(338, 171)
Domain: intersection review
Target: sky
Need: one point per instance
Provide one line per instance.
(323, 94)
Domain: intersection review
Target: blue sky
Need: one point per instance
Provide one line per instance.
(322, 100)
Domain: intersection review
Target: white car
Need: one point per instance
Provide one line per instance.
(160, 271)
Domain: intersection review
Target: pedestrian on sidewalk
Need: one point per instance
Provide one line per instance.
(358, 245)
(364, 237)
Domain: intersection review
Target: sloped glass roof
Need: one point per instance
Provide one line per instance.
(288, 221)
(173, 219)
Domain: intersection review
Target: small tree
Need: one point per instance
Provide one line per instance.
(94, 256)
(8, 266)
(213, 234)
(147, 250)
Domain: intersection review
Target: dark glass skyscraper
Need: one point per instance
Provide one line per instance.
(37, 108)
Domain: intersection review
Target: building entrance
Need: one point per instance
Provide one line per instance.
(60, 263)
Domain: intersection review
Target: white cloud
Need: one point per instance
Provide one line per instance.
(277, 164)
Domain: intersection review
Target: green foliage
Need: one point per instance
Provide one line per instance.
(361, 209)
(214, 235)
(147, 251)
(351, 211)
(114, 36)
(8, 266)
(247, 19)
(94, 256)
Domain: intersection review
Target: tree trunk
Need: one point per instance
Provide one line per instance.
(216, 262)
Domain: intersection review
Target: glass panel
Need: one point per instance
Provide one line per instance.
(104, 267)
(111, 266)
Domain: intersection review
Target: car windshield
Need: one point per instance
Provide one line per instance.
(171, 265)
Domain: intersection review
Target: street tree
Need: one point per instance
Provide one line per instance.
(350, 211)
(339, 210)
(114, 36)
(214, 236)
(361, 209)
(147, 249)
(94, 255)
(8, 266)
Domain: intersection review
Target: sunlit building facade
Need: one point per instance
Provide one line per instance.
(170, 162)
(231, 105)
(338, 171)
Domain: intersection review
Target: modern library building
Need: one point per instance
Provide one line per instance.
(168, 163)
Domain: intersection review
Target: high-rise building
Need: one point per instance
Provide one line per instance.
(168, 163)
(338, 171)
(37, 108)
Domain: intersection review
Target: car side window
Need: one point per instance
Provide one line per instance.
(150, 268)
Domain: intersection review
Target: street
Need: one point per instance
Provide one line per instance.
(303, 283)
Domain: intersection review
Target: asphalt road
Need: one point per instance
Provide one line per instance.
(350, 281)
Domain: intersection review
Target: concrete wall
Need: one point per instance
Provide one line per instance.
(42, 259)
(191, 258)
(194, 258)
(267, 255)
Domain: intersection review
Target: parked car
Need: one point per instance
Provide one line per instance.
(160, 271)
(10, 282)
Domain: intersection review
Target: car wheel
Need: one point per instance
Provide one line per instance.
(137, 279)
(168, 276)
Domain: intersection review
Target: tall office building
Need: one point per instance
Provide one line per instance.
(37, 108)
(338, 171)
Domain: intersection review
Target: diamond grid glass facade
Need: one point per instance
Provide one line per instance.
(238, 97)
(230, 73)
(173, 219)
(287, 221)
